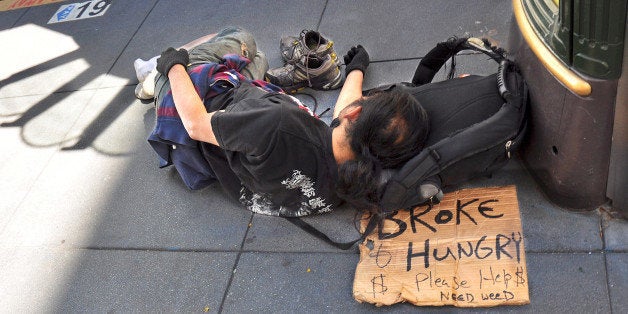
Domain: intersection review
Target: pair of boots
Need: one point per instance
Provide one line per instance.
(310, 61)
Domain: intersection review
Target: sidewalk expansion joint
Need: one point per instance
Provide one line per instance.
(320, 19)
(131, 39)
(572, 252)
(235, 265)
(191, 250)
(338, 251)
(156, 249)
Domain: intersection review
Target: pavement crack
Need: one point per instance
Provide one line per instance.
(235, 264)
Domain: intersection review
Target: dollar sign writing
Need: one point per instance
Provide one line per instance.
(378, 285)
(519, 280)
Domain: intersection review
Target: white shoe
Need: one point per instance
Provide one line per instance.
(141, 94)
(146, 90)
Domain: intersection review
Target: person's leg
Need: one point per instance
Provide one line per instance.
(143, 67)
(189, 46)
(211, 48)
(257, 68)
(232, 40)
(146, 70)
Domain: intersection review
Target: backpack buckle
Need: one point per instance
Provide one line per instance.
(508, 146)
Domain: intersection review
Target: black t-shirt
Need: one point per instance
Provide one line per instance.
(274, 156)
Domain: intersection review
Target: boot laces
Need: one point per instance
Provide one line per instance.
(307, 58)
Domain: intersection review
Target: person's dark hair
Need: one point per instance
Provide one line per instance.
(391, 128)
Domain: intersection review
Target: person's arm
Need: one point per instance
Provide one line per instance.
(195, 118)
(356, 62)
(350, 92)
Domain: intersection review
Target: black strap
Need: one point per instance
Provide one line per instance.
(319, 234)
(402, 190)
(436, 58)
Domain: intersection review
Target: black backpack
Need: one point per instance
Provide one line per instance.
(476, 123)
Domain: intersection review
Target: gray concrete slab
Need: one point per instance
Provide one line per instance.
(45, 120)
(616, 235)
(288, 286)
(278, 235)
(407, 29)
(107, 191)
(36, 279)
(301, 283)
(84, 199)
(164, 27)
(546, 227)
(29, 146)
(85, 49)
(567, 283)
(617, 267)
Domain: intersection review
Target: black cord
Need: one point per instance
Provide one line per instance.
(315, 105)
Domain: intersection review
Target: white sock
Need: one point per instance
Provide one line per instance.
(143, 68)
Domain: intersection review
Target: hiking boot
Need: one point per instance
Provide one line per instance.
(314, 73)
(310, 61)
(310, 44)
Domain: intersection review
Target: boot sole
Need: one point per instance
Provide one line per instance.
(334, 84)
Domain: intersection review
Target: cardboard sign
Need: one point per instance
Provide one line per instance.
(6, 5)
(467, 251)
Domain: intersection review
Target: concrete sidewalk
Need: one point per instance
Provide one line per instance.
(89, 223)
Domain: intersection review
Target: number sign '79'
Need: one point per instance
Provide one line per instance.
(82, 10)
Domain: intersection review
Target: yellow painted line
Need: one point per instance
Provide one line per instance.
(566, 76)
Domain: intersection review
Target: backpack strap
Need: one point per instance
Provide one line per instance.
(341, 245)
(436, 58)
(408, 187)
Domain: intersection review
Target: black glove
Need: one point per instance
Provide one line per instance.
(170, 57)
(356, 59)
